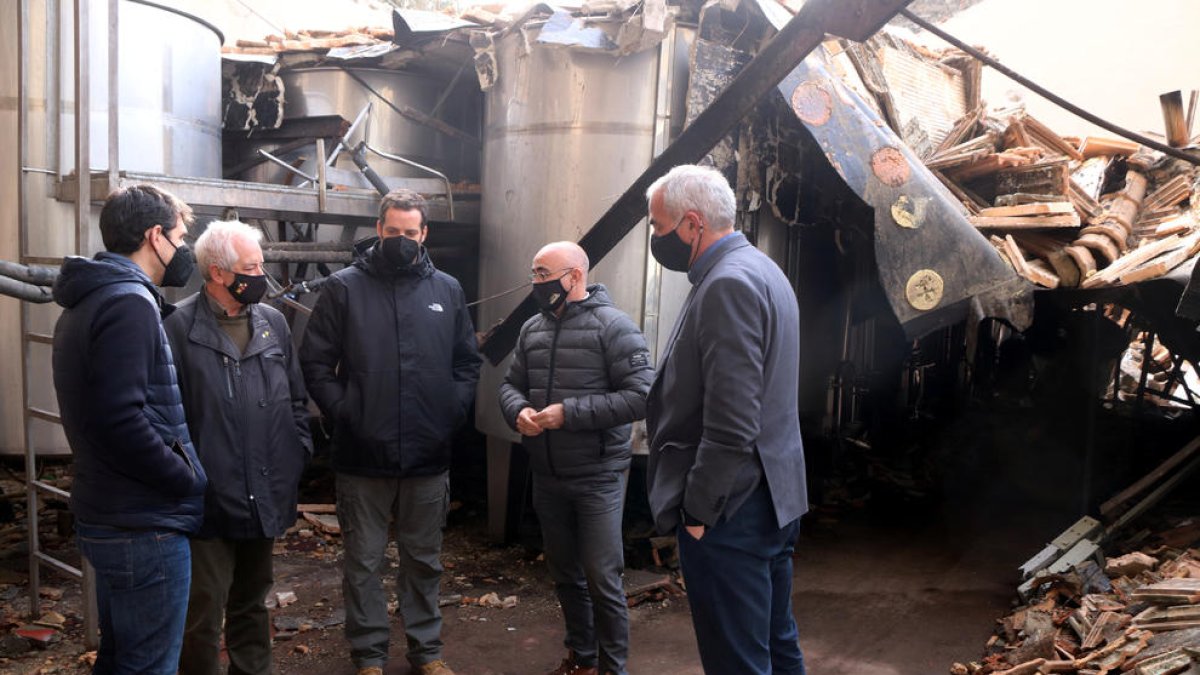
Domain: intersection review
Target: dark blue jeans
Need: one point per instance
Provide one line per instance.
(142, 580)
(581, 534)
(739, 585)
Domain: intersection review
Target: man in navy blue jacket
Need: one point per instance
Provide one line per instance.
(389, 356)
(726, 466)
(138, 487)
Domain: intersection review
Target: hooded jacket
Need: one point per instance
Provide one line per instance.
(134, 465)
(247, 413)
(389, 356)
(593, 360)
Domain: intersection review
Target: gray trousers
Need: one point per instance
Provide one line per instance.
(581, 534)
(366, 507)
(230, 581)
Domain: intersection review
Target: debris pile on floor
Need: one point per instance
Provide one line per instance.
(1069, 212)
(1140, 614)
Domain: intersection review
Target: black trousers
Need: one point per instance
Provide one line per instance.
(230, 580)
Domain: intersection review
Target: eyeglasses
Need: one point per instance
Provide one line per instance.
(544, 275)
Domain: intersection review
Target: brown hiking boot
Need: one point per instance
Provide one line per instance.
(570, 667)
(437, 667)
(370, 670)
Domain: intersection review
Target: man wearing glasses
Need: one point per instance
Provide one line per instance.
(578, 380)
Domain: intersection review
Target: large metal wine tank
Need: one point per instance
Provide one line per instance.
(566, 132)
(169, 118)
(169, 101)
(312, 92)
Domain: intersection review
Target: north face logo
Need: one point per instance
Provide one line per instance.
(437, 307)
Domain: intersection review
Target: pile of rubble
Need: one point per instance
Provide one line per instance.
(1070, 212)
(1141, 614)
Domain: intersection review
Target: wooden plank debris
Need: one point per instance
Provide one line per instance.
(1026, 222)
(1098, 146)
(1035, 209)
(1174, 118)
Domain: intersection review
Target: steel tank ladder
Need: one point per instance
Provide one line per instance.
(29, 336)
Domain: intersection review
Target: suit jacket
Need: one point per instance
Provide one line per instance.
(722, 413)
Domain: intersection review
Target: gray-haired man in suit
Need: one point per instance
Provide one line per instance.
(726, 467)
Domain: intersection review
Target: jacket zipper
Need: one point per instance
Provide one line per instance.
(550, 394)
(228, 377)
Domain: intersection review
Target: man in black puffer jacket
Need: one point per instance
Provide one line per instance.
(579, 378)
(389, 356)
(138, 489)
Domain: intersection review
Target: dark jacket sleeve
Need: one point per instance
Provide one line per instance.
(732, 324)
(321, 351)
(466, 354)
(295, 384)
(124, 340)
(514, 391)
(629, 374)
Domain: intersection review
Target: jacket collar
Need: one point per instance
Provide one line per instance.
(718, 250)
(207, 333)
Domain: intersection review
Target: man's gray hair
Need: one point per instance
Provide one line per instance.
(215, 246)
(690, 187)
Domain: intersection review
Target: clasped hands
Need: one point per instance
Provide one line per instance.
(532, 422)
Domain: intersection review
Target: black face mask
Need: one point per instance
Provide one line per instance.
(671, 251)
(177, 272)
(550, 295)
(248, 288)
(400, 252)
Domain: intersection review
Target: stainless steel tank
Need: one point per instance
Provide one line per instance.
(169, 101)
(169, 122)
(310, 92)
(566, 132)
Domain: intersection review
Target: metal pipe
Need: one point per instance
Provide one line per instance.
(342, 142)
(83, 138)
(359, 155)
(30, 274)
(344, 257)
(1047, 94)
(307, 246)
(114, 92)
(422, 167)
(321, 185)
(23, 291)
(275, 160)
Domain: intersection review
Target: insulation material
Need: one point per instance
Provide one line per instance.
(927, 97)
(253, 96)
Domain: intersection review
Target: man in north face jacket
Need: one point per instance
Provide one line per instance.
(579, 378)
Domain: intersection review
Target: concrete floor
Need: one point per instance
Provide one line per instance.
(897, 589)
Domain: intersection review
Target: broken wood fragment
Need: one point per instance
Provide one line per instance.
(1169, 193)
(1044, 136)
(1032, 209)
(1026, 222)
(1096, 146)
(1027, 668)
(1133, 259)
(1174, 118)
